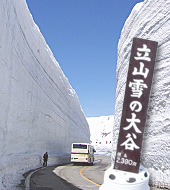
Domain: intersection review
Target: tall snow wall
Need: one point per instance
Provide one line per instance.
(39, 109)
(149, 20)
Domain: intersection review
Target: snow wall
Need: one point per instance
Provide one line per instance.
(149, 20)
(39, 109)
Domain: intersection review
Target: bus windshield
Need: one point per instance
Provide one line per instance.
(80, 146)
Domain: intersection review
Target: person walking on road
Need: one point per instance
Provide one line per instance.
(45, 157)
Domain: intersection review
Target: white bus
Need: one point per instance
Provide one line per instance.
(82, 152)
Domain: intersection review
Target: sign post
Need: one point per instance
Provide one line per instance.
(127, 171)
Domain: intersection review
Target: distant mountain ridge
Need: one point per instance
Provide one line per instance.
(101, 133)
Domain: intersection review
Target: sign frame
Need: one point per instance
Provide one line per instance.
(137, 92)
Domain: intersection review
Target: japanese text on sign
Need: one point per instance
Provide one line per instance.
(135, 105)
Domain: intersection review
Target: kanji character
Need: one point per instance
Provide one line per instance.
(119, 154)
(142, 71)
(143, 53)
(137, 87)
(129, 143)
(133, 122)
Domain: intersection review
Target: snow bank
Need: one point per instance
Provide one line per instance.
(150, 20)
(39, 109)
(101, 133)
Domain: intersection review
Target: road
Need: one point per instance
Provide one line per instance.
(71, 177)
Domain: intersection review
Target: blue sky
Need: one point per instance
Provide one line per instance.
(83, 36)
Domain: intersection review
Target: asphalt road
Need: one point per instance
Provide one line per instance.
(71, 177)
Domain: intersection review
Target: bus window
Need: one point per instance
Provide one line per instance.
(80, 146)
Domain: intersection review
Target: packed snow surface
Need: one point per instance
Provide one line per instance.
(149, 20)
(39, 109)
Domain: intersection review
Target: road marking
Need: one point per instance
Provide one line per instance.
(87, 178)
